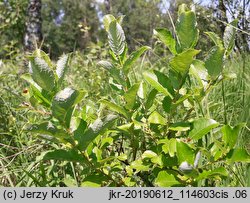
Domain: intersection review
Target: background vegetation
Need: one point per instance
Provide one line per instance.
(76, 27)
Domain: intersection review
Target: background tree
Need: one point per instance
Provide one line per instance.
(69, 25)
(12, 26)
(33, 33)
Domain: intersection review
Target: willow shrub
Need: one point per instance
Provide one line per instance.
(153, 132)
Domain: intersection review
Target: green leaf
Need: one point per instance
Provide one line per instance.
(133, 57)
(166, 37)
(64, 101)
(184, 153)
(62, 67)
(160, 82)
(116, 38)
(186, 29)
(216, 39)
(120, 19)
(64, 155)
(179, 126)
(157, 118)
(130, 96)
(172, 147)
(201, 127)
(40, 96)
(164, 179)
(229, 36)
(238, 155)
(27, 77)
(151, 97)
(142, 91)
(181, 62)
(48, 128)
(82, 126)
(115, 107)
(230, 134)
(42, 74)
(36, 90)
(105, 64)
(114, 72)
(221, 171)
(167, 103)
(199, 72)
(95, 180)
(95, 129)
(107, 19)
(214, 61)
(138, 165)
(148, 154)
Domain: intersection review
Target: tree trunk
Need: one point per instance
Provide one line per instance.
(33, 34)
(108, 6)
(245, 27)
(222, 16)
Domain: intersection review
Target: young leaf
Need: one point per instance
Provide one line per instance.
(116, 38)
(41, 54)
(229, 36)
(95, 129)
(201, 127)
(105, 64)
(133, 57)
(64, 101)
(120, 19)
(148, 154)
(142, 91)
(164, 179)
(186, 29)
(115, 108)
(114, 72)
(36, 90)
(27, 77)
(160, 82)
(130, 96)
(214, 61)
(172, 147)
(230, 134)
(166, 37)
(199, 72)
(181, 62)
(216, 39)
(157, 118)
(138, 165)
(40, 96)
(107, 20)
(42, 74)
(62, 66)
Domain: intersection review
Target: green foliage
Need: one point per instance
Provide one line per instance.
(186, 29)
(166, 37)
(162, 134)
(116, 38)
